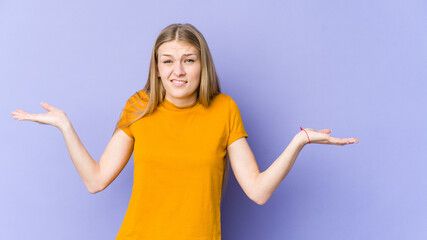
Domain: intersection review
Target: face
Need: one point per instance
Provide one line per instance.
(179, 68)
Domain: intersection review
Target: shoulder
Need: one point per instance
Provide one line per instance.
(225, 99)
(139, 96)
(138, 100)
(222, 98)
(220, 102)
(224, 103)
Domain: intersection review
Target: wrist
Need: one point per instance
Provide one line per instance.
(301, 138)
(65, 125)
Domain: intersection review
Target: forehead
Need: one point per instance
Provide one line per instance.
(176, 48)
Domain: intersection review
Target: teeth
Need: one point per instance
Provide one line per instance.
(179, 81)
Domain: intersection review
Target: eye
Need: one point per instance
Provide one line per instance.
(191, 60)
(167, 61)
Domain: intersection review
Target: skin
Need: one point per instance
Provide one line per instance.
(175, 64)
(179, 60)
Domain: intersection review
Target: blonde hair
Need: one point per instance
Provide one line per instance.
(209, 84)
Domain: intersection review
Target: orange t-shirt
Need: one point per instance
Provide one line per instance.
(180, 157)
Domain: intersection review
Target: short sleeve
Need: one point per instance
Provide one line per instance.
(236, 128)
(124, 118)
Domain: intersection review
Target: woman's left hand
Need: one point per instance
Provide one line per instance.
(323, 137)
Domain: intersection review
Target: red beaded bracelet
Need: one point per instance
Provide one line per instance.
(305, 133)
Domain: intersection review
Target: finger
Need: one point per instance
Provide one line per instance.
(338, 141)
(27, 116)
(24, 117)
(327, 131)
(18, 113)
(46, 106)
(21, 112)
(349, 140)
(20, 116)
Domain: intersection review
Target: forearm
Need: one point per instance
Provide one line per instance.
(269, 180)
(87, 168)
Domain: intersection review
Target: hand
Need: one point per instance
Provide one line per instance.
(323, 137)
(55, 116)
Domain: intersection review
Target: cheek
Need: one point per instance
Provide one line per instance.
(163, 70)
(197, 72)
(160, 72)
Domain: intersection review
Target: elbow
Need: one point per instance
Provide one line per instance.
(95, 188)
(258, 194)
(93, 191)
(260, 199)
(95, 183)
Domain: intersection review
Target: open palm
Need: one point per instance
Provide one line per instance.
(54, 116)
(323, 137)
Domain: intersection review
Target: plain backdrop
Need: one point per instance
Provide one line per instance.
(356, 67)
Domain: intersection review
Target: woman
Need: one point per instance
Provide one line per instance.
(181, 127)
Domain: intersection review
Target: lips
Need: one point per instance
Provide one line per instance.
(178, 83)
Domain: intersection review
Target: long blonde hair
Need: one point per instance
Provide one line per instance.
(209, 83)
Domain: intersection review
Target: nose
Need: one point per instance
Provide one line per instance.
(178, 69)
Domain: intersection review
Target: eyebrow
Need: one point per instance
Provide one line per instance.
(188, 54)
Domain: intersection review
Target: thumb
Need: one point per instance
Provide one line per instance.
(46, 106)
(327, 131)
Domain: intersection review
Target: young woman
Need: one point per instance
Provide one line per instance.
(180, 127)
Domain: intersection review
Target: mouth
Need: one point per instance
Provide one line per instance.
(178, 83)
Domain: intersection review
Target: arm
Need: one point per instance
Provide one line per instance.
(269, 180)
(260, 186)
(97, 176)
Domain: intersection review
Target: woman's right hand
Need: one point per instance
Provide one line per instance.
(55, 116)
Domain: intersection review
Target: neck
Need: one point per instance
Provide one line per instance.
(182, 102)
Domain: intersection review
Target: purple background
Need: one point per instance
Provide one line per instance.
(355, 67)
